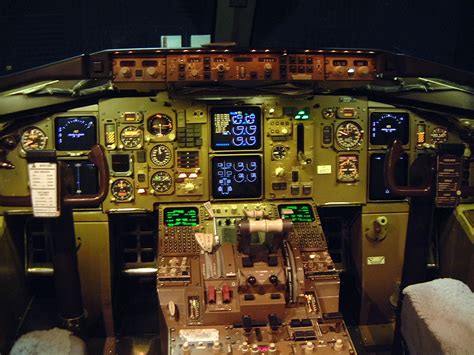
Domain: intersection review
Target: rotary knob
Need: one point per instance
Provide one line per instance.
(189, 187)
(339, 70)
(268, 66)
(151, 71)
(220, 68)
(251, 280)
(125, 72)
(273, 279)
(363, 71)
(194, 73)
(279, 171)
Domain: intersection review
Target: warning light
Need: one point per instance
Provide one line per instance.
(302, 114)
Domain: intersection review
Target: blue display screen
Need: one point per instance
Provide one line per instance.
(75, 133)
(235, 128)
(236, 176)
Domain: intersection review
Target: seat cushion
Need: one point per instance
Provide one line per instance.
(54, 341)
(438, 318)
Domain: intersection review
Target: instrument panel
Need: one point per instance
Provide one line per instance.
(329, 148)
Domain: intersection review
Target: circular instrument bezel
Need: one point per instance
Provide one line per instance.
(162, 130)
(161, 162)
(40, 132)
(158, 188)
(281, 150)
(355, 141)
(133, 142)
(129, 186)
(441, 135)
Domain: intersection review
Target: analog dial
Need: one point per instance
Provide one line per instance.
(160, 124)
(439, 135)
(160, 155)
(33, 138)
(349, 135)
(161, 181)
(122, 190)
(329, 113)
(348, 168)
(279, 152)
(131, 137)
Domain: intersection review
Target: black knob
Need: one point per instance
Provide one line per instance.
(251, 280)
(273, 279)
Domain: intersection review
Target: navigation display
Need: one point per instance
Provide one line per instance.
(387, 126)
(75, 133)
(235, 128)
(182, 216)
(236, 176)
(297, 212)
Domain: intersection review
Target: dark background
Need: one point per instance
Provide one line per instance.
(35, 32)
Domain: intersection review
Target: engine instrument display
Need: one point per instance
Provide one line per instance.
(298, 212)
(160, 124)
(160, 155)
(183, 216)
(235, 177)
(33, 138)
(349, 135)
(347, 168)
(131, 137)
(235, 128)
(161, 181)
(387, 126)
(75, 133)
(122, 190)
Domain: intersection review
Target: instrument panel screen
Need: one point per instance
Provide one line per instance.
(182, 216)
(377, 189)
(236, 176)
(387, 126)
(85, 176)
(298, 213)
(75, 133)
(236, 128)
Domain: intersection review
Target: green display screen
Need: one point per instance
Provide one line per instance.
(302, 212)
(183, 216)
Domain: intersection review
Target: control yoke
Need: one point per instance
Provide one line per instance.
(97, 156)
(393, 154)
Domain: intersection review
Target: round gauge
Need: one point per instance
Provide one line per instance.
(160, 124)
(279, 152)
(122, 190)
(131, 137)
(349, 134)
(161, 181)
(439, 135)
(348, 168)
(160, 155)
(329, 113)
(33, 138)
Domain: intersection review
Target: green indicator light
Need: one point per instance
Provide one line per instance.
(305, 117)
(301, 112)
(297, 117)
